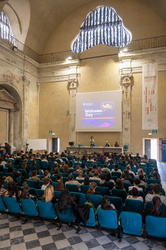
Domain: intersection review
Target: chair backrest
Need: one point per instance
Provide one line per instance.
(57, 194)
(155, 226)
(95, 199)
(72, 187)
(12, 205)
(152, 181)
(46, 210)
(44, 165)
(119, 193)
(32, 183)
(134, 205)
(29, 207)
(118, 203)
(84, 188)
(107, 218)
(91, 222)
(131, 223)
(82, 197)
(68, 216)
(114, 173)
(103, 190)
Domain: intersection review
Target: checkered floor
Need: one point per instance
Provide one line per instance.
(43, 235)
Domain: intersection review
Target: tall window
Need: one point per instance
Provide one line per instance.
(101, 26)
(5, 29)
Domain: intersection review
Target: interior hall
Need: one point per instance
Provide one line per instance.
(82, 80)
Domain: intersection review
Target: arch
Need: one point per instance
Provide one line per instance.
(18, 13)
(11, 101)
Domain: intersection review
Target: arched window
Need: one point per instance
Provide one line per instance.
(101, 26)
(5, 29)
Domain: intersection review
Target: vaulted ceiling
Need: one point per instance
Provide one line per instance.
(46, 15)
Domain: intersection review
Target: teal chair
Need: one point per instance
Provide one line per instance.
(134, 206)
(119, 193)
(68, 216)
(12, 205)
(117, 202)
(103, 190)
(72, 187)
(131, 223)
(107, 219)
(94, 199)
(84, 188)
(2, 205)
(91, 222)
(82, 197)
(32, 183)
(29, 207)
(155, 226)
(46, 210)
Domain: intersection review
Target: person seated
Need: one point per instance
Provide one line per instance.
(156, 189)
(103, 182)
(106, 204)
(49, 195)
(46, 176)
(142, 182)
(65, 168)
(116, 169)
(2, 189)
(119, 184)
(105, 168)
(136, 184)
(155, 210)
(92, 189)
(59, 177)
(60, 186)
(65, 200)
(86, 180)
(34, 176)
(46, 183)
(95, 176)
(13, 191)
(72, 181)
(128, 167)
(116, 144)
(25, 193)
(135, 195)
(107, 144)
(123, 178)
(13, 171)
(80, 175)
(108, 177)
(56, 171)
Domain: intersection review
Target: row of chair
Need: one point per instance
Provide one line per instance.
(130, 222)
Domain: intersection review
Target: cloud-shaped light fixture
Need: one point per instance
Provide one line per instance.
(101, 26)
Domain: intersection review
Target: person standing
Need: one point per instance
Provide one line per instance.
(92, 141)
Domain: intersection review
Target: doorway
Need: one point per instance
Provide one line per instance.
(151, 148)
(55, 145)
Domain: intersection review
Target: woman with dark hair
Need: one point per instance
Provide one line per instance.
(12, 191)
(106, 204)
(135, 195)
(60, 186)
(86, 180)
(155, 210)
(119, 184)
(65, 200)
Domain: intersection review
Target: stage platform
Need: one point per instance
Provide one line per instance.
(97, 149)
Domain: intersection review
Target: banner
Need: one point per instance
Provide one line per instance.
(149, 96)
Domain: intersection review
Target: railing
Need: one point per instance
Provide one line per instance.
(141, 44)
(147, 43)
